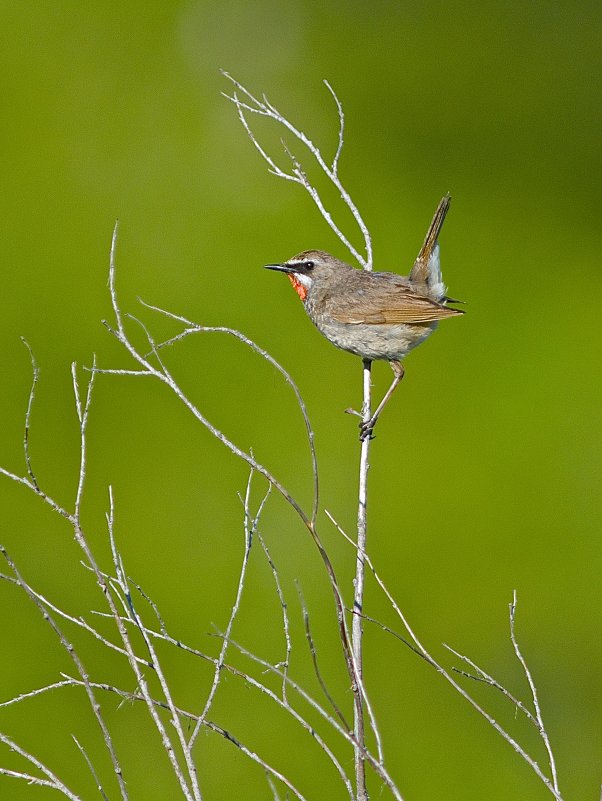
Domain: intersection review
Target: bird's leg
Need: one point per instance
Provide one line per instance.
(398, 373)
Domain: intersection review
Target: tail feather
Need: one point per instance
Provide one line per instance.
(427, 268)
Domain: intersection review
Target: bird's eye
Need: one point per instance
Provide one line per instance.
(309, 265)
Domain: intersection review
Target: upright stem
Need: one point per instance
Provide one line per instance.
(358, 600)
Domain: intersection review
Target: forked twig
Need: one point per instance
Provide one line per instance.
(51, 779)
(212, 726)
(538, 716)
(194, 328)
(190, 787)
(285, 664)
(163, 374)
(426, 655)
(245, 103)
(117, 588)
(79, 665)
(264, 108)
(250, 526)
(314, 658)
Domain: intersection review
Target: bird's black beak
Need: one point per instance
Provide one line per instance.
(281, 268)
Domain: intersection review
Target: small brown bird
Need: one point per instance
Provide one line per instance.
(374, 315)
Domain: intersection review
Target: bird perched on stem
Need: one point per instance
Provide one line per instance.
(375, 315)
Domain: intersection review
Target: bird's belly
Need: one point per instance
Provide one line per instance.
(376, 341)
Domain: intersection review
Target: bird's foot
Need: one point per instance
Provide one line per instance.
(366, 426)
(366, 429)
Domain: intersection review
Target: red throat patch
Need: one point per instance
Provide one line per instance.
(298, 286)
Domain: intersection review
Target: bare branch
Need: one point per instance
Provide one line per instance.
(485, 678)
(36, 781)
(69, 648)
(377, 764)
(33, 693)
(540, 724)
(264, 108)
(358, 584)
(51, 780)
(314, 659)
(335, 161)
(194, 328)
(251, 104)
(165, 377)
(285, 664)
(249, 527)
(448, 677)
(82, 414)
(227, 735)
(191, 791)
(32, 392)
(84, 753)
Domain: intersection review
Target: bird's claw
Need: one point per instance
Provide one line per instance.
(366, 429)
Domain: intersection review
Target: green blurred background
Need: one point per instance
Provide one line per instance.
(485, 475)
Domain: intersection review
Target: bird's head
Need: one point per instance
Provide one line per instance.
(308, 267)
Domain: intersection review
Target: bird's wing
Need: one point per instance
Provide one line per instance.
(389, 301)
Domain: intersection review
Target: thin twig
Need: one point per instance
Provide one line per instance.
(69, 648)
(272, 786)
(194, 328)
(192, 790)
(358, 594)
(249, 527)
(297, 173)
(376, 763)
(151, 603)
(265, 109)
(485, 678)
(447, 676)
(82, 414)
(314, 658)
(165, 377)
(31, 481)
(35, 376)
(33, 693)
(78, 621)
(51, 780)
(540, 724)
(84, 753)
(285, 664)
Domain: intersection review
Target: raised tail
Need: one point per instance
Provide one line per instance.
(427, 269)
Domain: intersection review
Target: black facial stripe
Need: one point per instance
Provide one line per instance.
(303, 267)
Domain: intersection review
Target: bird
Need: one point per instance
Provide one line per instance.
(374, 315)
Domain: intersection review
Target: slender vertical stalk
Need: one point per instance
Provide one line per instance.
(358, 598)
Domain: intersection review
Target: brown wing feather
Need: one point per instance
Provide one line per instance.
(389, 301)
(413, 314)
